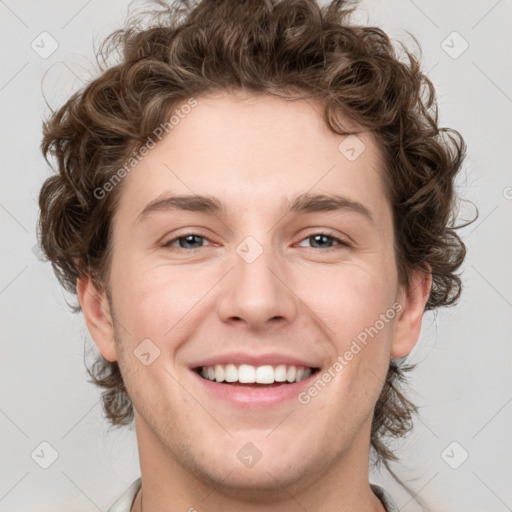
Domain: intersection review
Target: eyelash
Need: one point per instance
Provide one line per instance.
(340, 243)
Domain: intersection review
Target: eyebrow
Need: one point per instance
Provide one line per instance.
(302, 204)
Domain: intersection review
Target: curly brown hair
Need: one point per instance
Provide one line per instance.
(289, 48)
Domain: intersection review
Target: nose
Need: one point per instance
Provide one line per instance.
(256, 293)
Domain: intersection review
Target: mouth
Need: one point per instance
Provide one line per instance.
(250, 376)
(254, 381)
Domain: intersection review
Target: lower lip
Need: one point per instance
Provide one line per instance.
(254, 397)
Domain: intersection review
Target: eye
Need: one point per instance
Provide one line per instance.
(187, 241)
(195, 241)
(324, 240)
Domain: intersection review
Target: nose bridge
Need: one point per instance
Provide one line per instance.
(255, 292)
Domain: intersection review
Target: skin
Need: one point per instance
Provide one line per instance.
(253, 152)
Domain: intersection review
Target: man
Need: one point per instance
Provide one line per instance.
(253, 211)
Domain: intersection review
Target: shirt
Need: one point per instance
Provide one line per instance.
(125, 501)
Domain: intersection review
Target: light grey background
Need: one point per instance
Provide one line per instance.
(463, 380)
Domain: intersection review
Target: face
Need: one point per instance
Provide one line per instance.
(265, 280)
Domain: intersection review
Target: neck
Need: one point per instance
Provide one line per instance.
(168, 485)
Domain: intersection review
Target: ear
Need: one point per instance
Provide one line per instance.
(413, 300)
(98, 318)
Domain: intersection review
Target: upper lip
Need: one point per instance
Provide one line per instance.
(238, 358)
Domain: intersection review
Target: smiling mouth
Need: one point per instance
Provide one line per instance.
(246, 375)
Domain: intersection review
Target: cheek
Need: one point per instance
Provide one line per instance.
(363, 313)
(356, 303)
(156, 303)
(350, 298)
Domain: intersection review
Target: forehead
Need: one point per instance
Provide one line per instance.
(256, 150)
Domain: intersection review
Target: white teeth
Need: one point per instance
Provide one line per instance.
(231, 373)
(248, 374)
(280, 373)
(265, 374)
(219, 373)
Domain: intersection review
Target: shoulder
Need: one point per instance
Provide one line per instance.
(384, 497)
(125, 501)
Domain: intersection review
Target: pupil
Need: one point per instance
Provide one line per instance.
(320, 238)
(190, 239)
